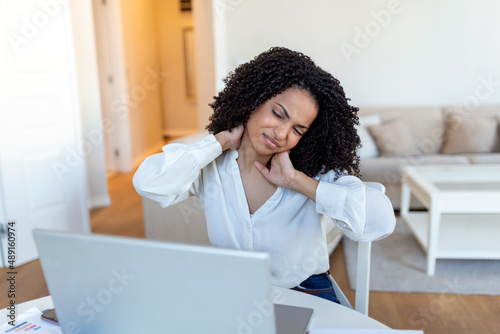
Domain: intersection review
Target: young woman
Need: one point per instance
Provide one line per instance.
(280, 157)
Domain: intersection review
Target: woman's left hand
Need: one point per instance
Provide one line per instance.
(282, 173)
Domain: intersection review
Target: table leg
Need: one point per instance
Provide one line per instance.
(405, 199)
(432, 237)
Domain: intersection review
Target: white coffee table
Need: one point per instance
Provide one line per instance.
(463, 211)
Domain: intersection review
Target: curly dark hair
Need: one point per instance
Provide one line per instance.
(330, 142)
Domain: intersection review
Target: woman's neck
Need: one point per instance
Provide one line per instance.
(247, 155)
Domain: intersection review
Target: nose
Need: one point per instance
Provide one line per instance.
(280, 132)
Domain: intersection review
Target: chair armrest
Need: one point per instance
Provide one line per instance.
(363, 277)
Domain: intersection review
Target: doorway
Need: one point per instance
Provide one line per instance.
(143, 65)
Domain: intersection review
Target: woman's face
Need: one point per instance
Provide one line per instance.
(278, 124)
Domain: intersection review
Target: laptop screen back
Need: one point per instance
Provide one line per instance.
(107, 284)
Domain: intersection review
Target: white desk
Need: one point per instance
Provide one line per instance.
(326, 314)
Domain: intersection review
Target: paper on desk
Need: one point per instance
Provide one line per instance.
(362, 331)
(30, 321)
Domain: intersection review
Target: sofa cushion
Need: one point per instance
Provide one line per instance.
(482, 110)
(470, 134)
(492, 111)
(426, 124)
(479, 159)
(368, 147)
(386, 170)
(393, 138)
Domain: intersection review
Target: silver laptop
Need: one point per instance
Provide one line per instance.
(108, 284)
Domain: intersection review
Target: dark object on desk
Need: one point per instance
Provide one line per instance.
(292, 319)
(50, 315)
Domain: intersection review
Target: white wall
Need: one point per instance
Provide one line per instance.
(422, 53)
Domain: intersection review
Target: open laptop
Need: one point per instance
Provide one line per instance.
(109, 284)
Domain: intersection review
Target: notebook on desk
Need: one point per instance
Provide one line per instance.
(108, 284)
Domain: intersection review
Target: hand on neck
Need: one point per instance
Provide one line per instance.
(247, 155)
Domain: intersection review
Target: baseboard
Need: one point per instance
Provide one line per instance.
(99, 201)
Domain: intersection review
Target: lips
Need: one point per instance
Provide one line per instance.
(271, 143)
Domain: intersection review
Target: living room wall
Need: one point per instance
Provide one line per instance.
(385, 53)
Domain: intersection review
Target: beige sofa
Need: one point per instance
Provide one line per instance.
(395, 137)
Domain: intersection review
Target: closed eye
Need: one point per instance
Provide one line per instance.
(297, 132)
(276, 114)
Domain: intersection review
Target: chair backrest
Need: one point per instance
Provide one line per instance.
(362, 271)
(363, 277)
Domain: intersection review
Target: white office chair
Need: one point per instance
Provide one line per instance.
(362, 271)
(187, 224)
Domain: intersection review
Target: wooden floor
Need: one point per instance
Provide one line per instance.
(434, 313)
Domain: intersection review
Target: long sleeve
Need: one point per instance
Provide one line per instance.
(362, 213)
(173, 175)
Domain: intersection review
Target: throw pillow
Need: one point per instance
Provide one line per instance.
(469, 134)
(393, 138)
(368, 147)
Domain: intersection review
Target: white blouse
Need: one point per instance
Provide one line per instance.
(288, 225)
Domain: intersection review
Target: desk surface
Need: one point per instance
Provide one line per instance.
(326, 314)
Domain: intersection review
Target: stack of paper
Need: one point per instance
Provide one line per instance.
(30, 321)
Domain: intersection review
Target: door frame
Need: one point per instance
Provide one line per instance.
(113, 85)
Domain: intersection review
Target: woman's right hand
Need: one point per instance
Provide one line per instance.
(230, 139)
